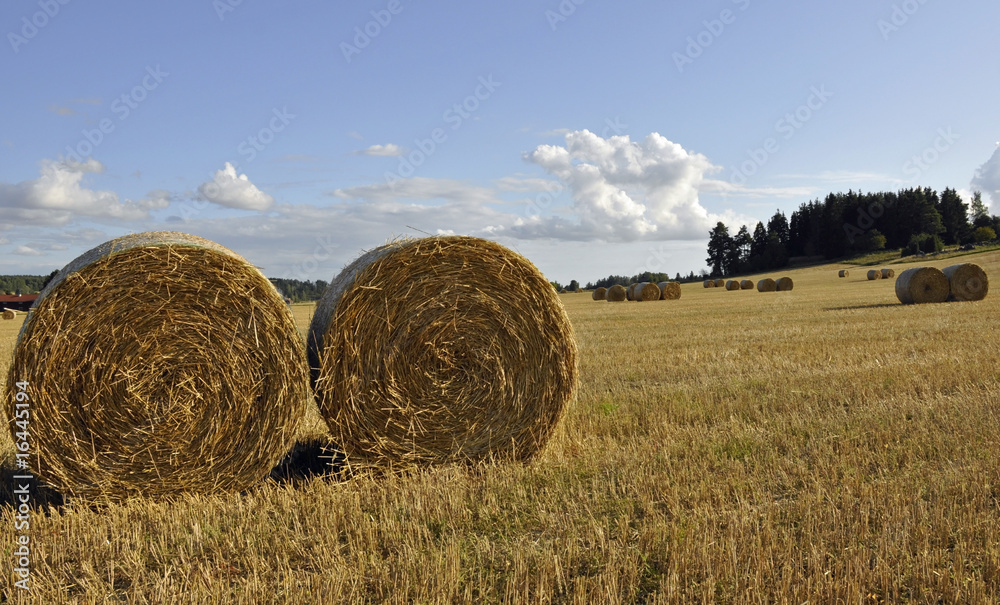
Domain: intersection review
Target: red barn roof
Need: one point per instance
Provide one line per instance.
(8, 298)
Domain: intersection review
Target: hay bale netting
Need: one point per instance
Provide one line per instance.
(844, 273)
(784, 284)
(646, 291)
(600, 294)
(967, 281)
(888, 273)
(732, 284)
(709, 283)
(922, 285)
(874, 274)
(9, 314)
(669, 290)
(720, 283)
(617, 293)
(767, 285)
(159, 363)
(442, 349)
(746, 284)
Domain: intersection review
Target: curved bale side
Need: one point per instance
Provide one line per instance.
(669, 290)
(9, 314)
(746, 284)
(967, 282)
(844, 273)
(874, 274)
(600, 294)
(630, 291)
(442, 349)
(646, 291)
(160, 363)
(784, 284)
(709, 283)
(616, 293)
(888, 273)
(732, 284)
(720, 283)
(922, 285)
(767, 285)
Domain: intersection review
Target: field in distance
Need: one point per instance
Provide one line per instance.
(825, 444)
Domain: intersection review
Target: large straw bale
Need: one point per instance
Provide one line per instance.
(617, 293)
(441, 349)
(888, 273)
(709, 283)
(646, 291)
(732, 284)
(783, 284)
(158, 363)
(630, 291)
(600, 294)
(767, 285)
(922, 285)
(874, 274)
(720, 283)
(746, 284)
(844, 273)
(967, 281)
(669, 290)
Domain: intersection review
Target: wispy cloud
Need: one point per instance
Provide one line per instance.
(387, 150)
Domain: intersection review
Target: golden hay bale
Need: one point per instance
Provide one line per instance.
(442, 349)
(922, 285)
(844, 273)
(646, 291)
(746, 284)
(967, 281)
(600, 294)
(669, 290)
(784, 284)
(709, 283)
(888, 273)
(767, 285)
(159, 363)
(617, 293)
(720, 283)
(9, 314)
(874, 274)
(732, 284)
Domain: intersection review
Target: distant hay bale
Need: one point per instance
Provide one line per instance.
(441, 349)
(844, 273)
(646, 291)
(783, 284)
(888, 273)
(874, 274)
(767, 285)
(617, 293)
(967, 282)
(669, 290)
(746, 284)
(630, 292)
(720, 283)
(922, 285)
(9, 314)
(732, 284)
(160, 363)
(709, 283)
(600, 294)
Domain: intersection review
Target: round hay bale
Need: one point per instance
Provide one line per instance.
(967, 281)
(442, 349)
(874, 274)
(922, 285)
(646, 291)
(159, 363)
(767, 285)
(709, 283)
(732, 284)
(630, 292)
(669, 290)
(617, 293)
(600, 294)
(9, 314)
(746, 284)
(783, 284)
(888, 273)
(720, 283)
(844, 273)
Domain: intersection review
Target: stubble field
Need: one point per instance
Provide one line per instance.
(826, 445)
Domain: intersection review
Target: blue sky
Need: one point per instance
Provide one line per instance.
(593, 137)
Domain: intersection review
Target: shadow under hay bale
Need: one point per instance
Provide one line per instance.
(316, 457)
(617, 293)
(600, 294)
(784, 284)
(441, 349)
(767, 285)
(159, 363)
(967, 282)
(922, 285)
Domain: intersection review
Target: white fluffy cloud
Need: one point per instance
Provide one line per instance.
(387, 150)
(234, 191)
(987, 177)
(624, 189)
(58, 196)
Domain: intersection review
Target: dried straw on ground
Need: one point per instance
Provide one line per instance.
(720, 283)
(732, 285)
(746, 284)
(922, 285)
(784, 284)
(669, 290)
(709, 283)
(442, 349)
(844, 273)
(967, 281)
(646, 291)
(160, 363)
(767, 285)
(874, 274)
(888, 273)
(617, 293)
(600, 293)
(9, 314)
